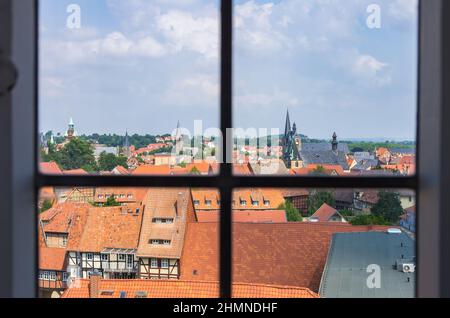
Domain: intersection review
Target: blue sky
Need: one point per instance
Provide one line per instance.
(142, 65)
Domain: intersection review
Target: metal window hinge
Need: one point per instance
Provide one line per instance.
(8, 75)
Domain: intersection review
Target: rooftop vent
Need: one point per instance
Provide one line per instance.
(394, 231)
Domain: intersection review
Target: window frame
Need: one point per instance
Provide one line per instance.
(22, 179)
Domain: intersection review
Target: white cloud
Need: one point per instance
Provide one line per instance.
(369, 68)
(404, 9)
(197, 90)
(185, 32)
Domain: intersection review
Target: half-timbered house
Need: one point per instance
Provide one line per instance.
(108, 244)
(162, 234)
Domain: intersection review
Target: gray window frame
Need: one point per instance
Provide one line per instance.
(20, 177)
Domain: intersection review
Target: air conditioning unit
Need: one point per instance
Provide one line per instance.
(408, 268)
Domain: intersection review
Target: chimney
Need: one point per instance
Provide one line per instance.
(94, 284)
(179, 204)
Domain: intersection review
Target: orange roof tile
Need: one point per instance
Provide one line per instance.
(67, 218)
(50, 168)
(287, 254)
(52, 259)
(324, 213)
(152, 170)
(242, 169)
(121, 194)
(183, 289)
(165, 203)
(121, 170)
(75, 172)
(112, 227)
(269, 216)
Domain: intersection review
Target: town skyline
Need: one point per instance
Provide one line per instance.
(135, 67)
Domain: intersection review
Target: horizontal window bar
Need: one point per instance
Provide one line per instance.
(233, 182)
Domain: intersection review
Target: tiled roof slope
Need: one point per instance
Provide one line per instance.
(289, 254)
(112, 227)
(165, 203)
(324, 213)
(184, 289)
(67, 218)
(269, 216)
(52, 258)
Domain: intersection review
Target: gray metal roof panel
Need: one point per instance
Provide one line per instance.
(345, 274)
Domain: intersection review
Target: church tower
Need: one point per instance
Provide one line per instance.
(334, 143)
(291, 144)
(71, 133)
(126, 148)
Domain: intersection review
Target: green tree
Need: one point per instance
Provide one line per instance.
(316, 200)
(77, 154)
(388, 206)
(108, 161)
(46, 205)
(111, 201)
(292, 214)
(194, 171)
(369, 220)
(319, 171)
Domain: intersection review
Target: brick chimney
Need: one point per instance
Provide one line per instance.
(94, 284)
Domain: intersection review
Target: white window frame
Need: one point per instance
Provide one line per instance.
(165, 261)
(154, 263)
(89, 256)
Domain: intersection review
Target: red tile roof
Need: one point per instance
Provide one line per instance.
(50, 168)
(289, 254)
(75, 172)
(183, 289)
(52, 259)
(324, 213)
(113, 227)
(67, 218)
(269, 216)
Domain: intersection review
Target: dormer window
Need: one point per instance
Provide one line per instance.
(130, 196)
(166, 242)
(208, 202)
(196, 203)
(243, 203)
(100, 196)
(255, 203)
(266, 202)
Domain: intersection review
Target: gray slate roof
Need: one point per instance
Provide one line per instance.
(324, 157)
(324, 146)
(345, 274)
(366, 164)
(403, 151)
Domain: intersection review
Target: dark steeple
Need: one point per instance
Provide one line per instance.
(126, 142)
(287, 128)
(334, 143)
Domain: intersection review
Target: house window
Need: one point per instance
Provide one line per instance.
(164, 263)
(104, 257)
(52, 276)
(243, 203)
(266, 203)
(255, 203)
(154, 263)
(64, 240)
(130, 261)
(208, 202)
(166, 242)
(65, 276)
(122, 257)
(89, 256)
(196, 202)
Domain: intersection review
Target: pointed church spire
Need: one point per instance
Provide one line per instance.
(287, 128)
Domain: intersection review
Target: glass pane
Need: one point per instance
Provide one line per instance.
(332, 83)
(329, 243)
(129, 87)
(125, 243)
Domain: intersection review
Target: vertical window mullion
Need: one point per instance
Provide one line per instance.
(226, 168)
